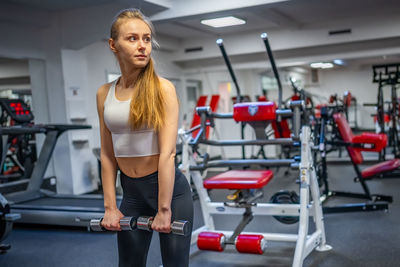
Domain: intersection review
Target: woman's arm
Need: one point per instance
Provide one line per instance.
(108, 166)
(166, 166)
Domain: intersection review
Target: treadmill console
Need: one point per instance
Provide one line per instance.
(17, 109)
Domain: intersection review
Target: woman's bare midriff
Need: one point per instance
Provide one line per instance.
(136, 167)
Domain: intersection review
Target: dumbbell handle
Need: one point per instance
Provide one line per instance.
(177, 227)
(126, 224)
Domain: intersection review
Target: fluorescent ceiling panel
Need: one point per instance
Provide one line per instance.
(223, 22)
(321, 65)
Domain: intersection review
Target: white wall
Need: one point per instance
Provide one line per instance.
(87, 70)
(357, 80)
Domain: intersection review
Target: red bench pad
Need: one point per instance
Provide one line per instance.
(385, 166)
(379, 140)
(254, 111)
(239, 179)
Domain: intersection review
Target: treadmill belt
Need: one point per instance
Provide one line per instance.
(49, 201)
(63, 204)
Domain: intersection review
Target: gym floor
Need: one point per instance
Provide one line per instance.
(358, 238)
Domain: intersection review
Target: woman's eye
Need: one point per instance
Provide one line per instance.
(132, 38)
(147, 39)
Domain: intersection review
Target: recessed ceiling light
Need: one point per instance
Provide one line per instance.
(338, 62)
(321, 65)
(223, 22)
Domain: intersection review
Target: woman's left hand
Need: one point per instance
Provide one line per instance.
(162, 222)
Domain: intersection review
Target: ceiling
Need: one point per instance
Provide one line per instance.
(259, 14)
(286, 14)
(180, 19)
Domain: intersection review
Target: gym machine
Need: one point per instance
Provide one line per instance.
(387, 75)
(20, 157)
(248, 184)
(341, 136)
(6, 222)
(40, 206)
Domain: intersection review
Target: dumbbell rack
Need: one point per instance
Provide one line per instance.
(305, 242)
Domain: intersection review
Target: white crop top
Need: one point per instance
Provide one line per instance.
(127, 142)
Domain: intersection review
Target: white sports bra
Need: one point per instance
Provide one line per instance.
(127, 142)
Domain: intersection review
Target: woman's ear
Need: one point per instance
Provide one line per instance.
(111, 43)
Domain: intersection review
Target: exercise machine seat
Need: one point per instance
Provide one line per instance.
(239, 179)
(382, 167)
(254, 111)
(378, 140)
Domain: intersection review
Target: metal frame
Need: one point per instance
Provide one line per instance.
(308, 207)
(383, 200)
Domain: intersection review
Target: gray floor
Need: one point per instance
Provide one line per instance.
(358, 239)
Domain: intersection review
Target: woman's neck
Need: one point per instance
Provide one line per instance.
(128, 76)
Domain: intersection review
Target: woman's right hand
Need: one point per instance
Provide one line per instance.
(111, 220)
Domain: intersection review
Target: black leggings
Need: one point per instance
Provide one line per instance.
(140, 199)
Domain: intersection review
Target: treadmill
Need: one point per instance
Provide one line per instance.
(39, 206)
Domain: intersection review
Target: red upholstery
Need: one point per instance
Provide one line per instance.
(379, 140)
(347, 136)
(385, 166)
(295, 97)
(317, 111)
(283, 124)
(201, 102)
(262, 98)
(239, 179)
(355, 154)
(386, 118)
(284, 128)
(254, 111)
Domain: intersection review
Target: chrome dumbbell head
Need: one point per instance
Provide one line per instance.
(181, 227)
(127, 223)
(144, 223)
(95, 225)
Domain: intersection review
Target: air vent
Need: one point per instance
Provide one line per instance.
(193, 49)
(336, 32)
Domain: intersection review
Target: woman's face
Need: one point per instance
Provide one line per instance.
(133, 45)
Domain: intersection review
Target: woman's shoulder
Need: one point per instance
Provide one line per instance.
(102, 91)
(166, 84)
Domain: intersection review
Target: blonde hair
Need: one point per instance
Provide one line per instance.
(147, 104)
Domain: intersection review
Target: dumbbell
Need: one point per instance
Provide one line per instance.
(126, 223)
(142, 223)
(177, 227)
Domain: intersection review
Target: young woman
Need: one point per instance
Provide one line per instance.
(138, 116)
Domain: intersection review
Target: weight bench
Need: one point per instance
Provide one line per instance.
(248, 184)
(364, 142)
